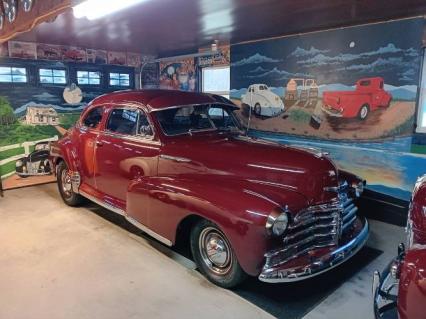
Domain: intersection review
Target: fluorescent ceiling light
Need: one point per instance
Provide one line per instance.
(95, 9)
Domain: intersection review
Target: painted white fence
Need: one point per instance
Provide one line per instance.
(26, 146)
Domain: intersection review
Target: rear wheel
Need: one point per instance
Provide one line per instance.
(214, 255)
(65, 187)
(363, 112)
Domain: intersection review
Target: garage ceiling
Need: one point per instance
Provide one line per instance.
(171, 27)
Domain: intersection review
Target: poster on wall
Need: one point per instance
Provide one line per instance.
(97, 56)
(340, 90)
(49, 52)
(178, 75)
(74, 54)
(149, 75)
(23, 50)
(118, 58)
(134, 59)
(221, 58)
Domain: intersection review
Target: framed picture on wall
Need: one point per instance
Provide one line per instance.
(23, 50)
(74, 54)
(49, 52)
(97, 56)
(118, 58)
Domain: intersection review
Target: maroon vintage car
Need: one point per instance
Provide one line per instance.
(177, 165)
(400, 291)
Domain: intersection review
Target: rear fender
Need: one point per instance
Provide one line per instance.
(240, 208)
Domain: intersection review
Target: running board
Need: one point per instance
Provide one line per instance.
(131, 220)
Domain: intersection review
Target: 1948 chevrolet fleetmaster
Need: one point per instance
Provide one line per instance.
(176, 165)
(400, 290)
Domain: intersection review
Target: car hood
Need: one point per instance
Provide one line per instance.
(305, 171)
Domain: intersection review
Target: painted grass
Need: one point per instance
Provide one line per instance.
(19, 133)
(68, 120)
(7, 168)
(12, 152)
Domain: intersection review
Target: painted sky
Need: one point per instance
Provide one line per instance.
(339, 56)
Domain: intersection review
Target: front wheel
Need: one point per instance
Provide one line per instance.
(214, 255)
(65, 187)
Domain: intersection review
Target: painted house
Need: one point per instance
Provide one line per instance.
(40, 115)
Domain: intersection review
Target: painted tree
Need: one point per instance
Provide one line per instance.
(6, 112)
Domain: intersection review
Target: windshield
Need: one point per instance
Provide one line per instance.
(193, 118)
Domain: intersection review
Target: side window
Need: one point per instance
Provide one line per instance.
(123, 121)
(93, 118)
(365, 83)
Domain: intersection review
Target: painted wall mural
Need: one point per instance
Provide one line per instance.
(33, 114)
(178, 75)
(350, 91)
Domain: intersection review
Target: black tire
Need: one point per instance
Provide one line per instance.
(230, 274)
(68, 196)
(363, 112)
(257, 109)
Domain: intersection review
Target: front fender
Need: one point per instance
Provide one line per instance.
(63, 150)
(240, 208)
(412, 285)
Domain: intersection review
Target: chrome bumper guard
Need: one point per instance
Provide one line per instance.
(331, 113)
(385, 290)
(319, 265)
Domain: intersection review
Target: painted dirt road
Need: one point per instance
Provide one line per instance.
(395, 120)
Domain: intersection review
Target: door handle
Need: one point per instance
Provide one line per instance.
(99, 143)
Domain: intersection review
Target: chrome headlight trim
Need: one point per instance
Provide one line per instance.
(19, 163)
(277, 222)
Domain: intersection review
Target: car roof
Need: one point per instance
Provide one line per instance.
(156, 100)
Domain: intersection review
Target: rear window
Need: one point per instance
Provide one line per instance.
(193, 118)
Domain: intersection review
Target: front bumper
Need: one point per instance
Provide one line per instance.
(385, 290)
(294, 271)
(332, 112)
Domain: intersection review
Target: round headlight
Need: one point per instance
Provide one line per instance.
(358, 188)
(277, 223)
(18, 163)
(280, 225)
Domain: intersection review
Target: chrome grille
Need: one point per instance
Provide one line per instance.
(316, 227)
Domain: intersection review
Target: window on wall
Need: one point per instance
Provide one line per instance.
(13, 74)
(119, 79)
(421, 115)
(52, 76)
(216, 80)
(88, 77)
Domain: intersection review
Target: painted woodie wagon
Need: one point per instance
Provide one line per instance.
(177, 165)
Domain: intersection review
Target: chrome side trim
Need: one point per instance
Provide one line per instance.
(149, 231)
(103, 204)
(175, 158)
(131, 220)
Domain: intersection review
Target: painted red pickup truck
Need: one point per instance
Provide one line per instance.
(400, 291)
(368, 96)
(177, 165)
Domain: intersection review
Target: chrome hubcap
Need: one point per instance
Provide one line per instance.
(215, 251)
(364, 112)
(66, 182)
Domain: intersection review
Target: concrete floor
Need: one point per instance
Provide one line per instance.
(62, 262)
